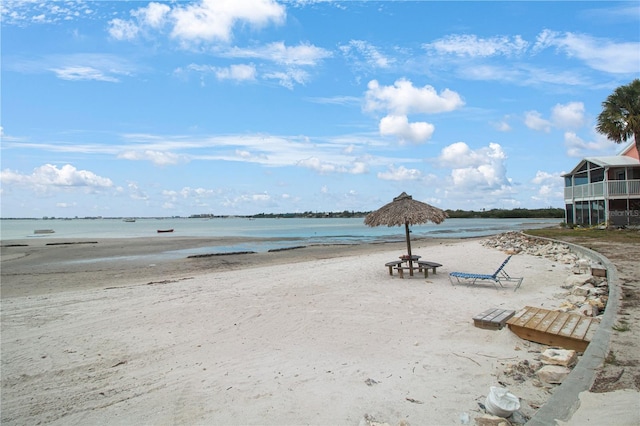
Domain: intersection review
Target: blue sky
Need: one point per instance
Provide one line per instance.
(118, 108)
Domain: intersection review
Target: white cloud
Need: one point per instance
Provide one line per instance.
(358, 168)
(400, 174)
(76, 67)
(136, 193)
(214, 20)
(568, 116)
(49, 177)
(403, 98)
(24, 12)
(260, 197)
(64, 205)
(481, 176)
(159, 158)
(459, 155)
(314, 163)
(324, 166)
(240, 72)
(203, 21)
(263, 199)
(82, 73)
(289, 77)
(120, 29)
(548, 187)
(577, 147)
(534, 121)
(479, 170)
(484, 72)
(188, 192)
(502, 126)
(290, 62)
(236, 72)
(370, 54)
(155, 15)
(278, 52)
(269, 150)
(545, 178)
(598, 53)
(396, 125)
(563, 116)
(521, 74)
(336, 100)
(242, 153)
(473, 46)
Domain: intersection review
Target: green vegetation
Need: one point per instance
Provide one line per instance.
(343, 214)
(454, 214)
(585, 235)
(619, 120)
(549, 212)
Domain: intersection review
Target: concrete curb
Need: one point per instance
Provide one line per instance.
(565, 400)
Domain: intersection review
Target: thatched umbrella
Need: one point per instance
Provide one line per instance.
(404, 210)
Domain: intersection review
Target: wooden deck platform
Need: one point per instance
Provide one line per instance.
(554, 328)
(493, 319)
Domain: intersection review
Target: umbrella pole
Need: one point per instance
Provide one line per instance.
(406, 229)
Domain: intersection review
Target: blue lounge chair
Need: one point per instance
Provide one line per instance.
(496, 278)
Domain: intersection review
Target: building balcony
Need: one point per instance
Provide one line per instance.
(613, 189)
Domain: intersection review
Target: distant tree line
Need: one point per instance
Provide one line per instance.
(547, 213)
(309, 214)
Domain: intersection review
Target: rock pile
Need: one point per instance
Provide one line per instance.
(584, 291)
(554, 365)
(585, 294)
(517, 242)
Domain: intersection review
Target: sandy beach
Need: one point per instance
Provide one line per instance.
(316, 335)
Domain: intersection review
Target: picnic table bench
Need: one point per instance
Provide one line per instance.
(393, 264)
(423, 265)
(428, 265)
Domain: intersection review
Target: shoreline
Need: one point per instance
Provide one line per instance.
(61, 264)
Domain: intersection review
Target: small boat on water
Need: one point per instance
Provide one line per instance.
(129, 219)
(160, 231)
(44, 231)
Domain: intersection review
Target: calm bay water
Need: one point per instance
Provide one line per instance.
(306, 231)
(262, 234)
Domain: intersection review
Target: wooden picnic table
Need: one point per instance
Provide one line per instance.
(422, 265)
(409, 260)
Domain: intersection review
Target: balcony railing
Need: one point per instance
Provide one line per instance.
(601, 190)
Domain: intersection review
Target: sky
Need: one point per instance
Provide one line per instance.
(224, 107)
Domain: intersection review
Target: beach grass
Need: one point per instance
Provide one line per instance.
(578, 235)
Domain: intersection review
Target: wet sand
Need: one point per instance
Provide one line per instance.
(50, 265)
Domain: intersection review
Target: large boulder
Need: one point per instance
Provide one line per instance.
(576, 281)
(491, 420)
(553, 374)
(565, 357)
(583, 290)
